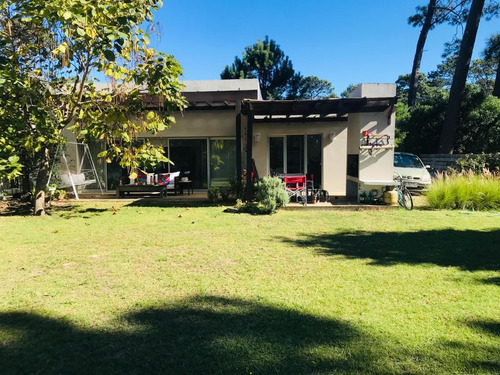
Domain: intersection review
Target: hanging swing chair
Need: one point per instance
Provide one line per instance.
(81, 173)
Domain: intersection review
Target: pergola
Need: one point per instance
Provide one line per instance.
(302, 111)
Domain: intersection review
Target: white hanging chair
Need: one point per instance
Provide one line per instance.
(83, 170)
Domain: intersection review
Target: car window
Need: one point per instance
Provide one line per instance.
(407, 161)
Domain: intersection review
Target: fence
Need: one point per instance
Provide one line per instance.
(440, 162)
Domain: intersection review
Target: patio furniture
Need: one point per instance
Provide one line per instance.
(122, 189)
(186, 183)
(296, 186)
(170, 180)
(82, 172)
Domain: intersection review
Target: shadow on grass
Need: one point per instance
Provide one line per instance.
(469, 250)
(492, 281)
(170, 202)
(489, 362)
(212, 335)
(16, 208)
(204, 335)
(490, 326)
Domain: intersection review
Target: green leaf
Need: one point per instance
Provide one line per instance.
(90, 31)
(110, 56)
(150, 115)
(67, 15)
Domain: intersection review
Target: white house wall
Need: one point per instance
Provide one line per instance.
(198, 124)
(377, 166)
(334, 153)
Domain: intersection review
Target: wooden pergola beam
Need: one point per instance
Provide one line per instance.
(300, 120)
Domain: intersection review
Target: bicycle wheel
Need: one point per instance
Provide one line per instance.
(406, 200)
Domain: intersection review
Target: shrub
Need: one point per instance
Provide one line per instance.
(270, 194)
(225, 192)
(213, 194)
(237, 187)
(465, 191)
(478, 163)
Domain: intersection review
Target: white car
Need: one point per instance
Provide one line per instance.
(412, 170)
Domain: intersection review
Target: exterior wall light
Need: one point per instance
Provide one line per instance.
(257, 137)
(332, 136)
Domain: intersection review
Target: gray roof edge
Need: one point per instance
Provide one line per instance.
(220, 85)
(249, 84)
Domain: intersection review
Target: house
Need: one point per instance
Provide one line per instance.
(346, 144)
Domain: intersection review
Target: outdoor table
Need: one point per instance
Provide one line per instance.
(122, 189)
(186, 184)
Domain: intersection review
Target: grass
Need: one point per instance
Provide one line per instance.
(108, 288)
(465, 192)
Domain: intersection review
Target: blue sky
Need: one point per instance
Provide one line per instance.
(343, 41)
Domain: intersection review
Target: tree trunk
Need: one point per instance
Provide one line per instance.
(41, 183)
(449, 130)
(412, 93)
(496, 87)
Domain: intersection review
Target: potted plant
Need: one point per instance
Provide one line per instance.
(60, 194)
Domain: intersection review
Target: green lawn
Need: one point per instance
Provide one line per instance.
(135, 289)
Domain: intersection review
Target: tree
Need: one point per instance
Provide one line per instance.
(492, 54)
(312, 88)
(436, 12)
(268, 63)
(448, 132)
(417, 60)
(482, 71)
(348, 90)
(418, 128)
(48, 54)
(453, 12)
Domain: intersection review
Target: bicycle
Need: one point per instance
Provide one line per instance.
(404, 196)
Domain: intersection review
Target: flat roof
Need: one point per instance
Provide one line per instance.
(221, 85)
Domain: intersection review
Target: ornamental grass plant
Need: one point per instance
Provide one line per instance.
(465, 191)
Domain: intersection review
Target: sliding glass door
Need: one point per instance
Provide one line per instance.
(296, 154)
(190, 155)
(222, 161)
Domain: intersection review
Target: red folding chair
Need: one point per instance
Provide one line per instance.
(296, 186)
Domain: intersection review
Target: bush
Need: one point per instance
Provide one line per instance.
(237, 187)
(213, 194)
(465, 191)
(270, 195)
(225, 192)
(478, 163)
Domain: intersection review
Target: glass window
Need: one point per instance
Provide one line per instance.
(407, 161)
(295, 154)
(222, 161)
(190, 155)
(314, 158)
(276, 155)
